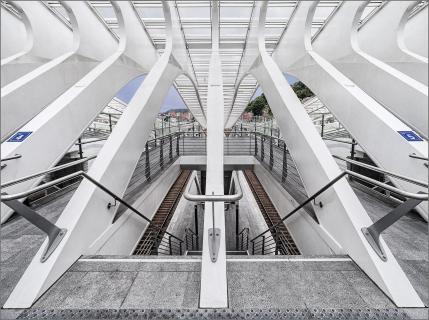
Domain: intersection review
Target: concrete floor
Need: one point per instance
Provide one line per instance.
(280, 283)
(129, 283)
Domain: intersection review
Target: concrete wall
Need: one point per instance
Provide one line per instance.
(122, 236)
(310, 238)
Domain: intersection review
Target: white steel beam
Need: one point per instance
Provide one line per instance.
(54, 130)
(342, 216)
(13, 33)
(338, 42)
(45, 83)
(47, 38)
(383, 37)
(383, 136)
(87, 216)
(416, 33)
(214, 291)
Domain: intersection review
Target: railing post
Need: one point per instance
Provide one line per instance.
(253, 247)
(178, 145)
(79, 141)
(277, 245)
(196, 225)
(161, 152)
(256, 143)
(169, 244)
(263, 245)
(147, 168)
(271, 154)
(110, 122)
(180, 247)
(171, 147)
(262, 148)
(237, 227)
(284, 171)
(323, 125)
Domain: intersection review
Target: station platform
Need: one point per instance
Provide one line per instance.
(286, 287)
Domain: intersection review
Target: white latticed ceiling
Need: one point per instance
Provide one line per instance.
(235, 17)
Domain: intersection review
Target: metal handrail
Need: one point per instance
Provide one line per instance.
(91, 141)
(389, 173)
(214, 198)
(7, 197)
(412, 155)
(41, 173)
(16, 156)
(417, 196)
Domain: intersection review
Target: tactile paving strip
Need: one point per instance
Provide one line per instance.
(212, 314)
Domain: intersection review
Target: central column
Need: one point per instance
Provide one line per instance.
(214, 293)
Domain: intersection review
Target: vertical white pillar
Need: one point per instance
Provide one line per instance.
(214, 291)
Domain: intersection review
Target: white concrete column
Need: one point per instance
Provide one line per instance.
(214, 291)
(382, 135)
(86, 217)
(342, 215)
(13, 33)
(339, 44)
(54, 130)
(383, 38)
(47, 38)
(416, 33)
(45, 83)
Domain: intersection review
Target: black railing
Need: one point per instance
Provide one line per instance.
(160, 242)
(191, 240)
(243, 240)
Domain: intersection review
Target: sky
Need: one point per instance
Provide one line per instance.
(173, 99)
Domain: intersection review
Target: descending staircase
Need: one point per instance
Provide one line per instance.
(154, 240)
(281, 241)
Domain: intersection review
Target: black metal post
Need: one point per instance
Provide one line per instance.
(284, 171)
(352, 155)
(262, 148)
(237, 222)
(171, 147)
(178, 145)
(263, 245)
(277, 241)
(110, 122)
(147, 169)
(79, 141)
(253, 247)
(271, 154)
(161, 152)
(169, 244)
(256, 144)
(323, 125)
(180, 247)
(196, 225)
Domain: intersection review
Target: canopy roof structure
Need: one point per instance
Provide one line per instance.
(235, 17)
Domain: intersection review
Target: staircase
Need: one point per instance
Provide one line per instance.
(155, 240)
(279, 241)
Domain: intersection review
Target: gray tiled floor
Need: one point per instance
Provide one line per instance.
(326, 285)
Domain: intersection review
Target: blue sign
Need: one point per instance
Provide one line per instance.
(410, 136)
(20, 136)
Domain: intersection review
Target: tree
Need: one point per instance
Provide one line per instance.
(258, 105)
(301, 90)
